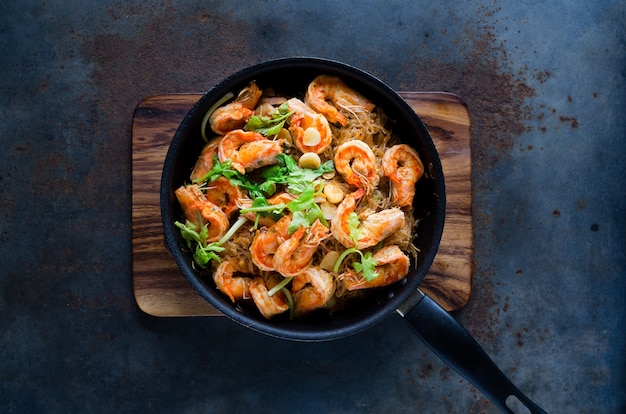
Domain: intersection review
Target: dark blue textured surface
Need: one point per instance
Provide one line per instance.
(545, 85)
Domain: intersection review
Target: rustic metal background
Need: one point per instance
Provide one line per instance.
(545, 86)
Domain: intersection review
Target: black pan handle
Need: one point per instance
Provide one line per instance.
(456, 347)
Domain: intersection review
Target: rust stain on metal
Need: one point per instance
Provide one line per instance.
(498, 100)
(150, 60)
(572, 121)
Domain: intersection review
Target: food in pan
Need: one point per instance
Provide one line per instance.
(299, 204)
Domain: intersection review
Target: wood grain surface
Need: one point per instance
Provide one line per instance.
(159, 287)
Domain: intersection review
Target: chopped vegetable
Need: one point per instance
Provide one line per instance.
(297, 179)
(204, 252)
(225, 169)
(304, 208)
(279, 286)
(269, 126)
(367, 267)
(353, 225)
(289, 302)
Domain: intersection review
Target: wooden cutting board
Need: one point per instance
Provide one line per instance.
(160, 288)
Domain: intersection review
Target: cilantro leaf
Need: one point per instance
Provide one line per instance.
(267, 187)
(189, 232)
(353, 226)
(297, 179)
(203, 255)
(262, 207)
(304, 201)
(306, 218)
(269, 126)
(225, 169)
(298, 219)
(367, 266)
(279, 173)
(204, 252)
(305, 210)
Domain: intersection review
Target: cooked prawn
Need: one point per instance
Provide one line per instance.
(267, 305)
(235, 114)
(312, 289)
(224, 194)
(205, 160)
(201, 211)
(266, 242)
(392, 266)
(248, 150)
(326, 88)
(356, 162)
(310, 130)
(235, 287)
(371, 231)
(403, 166)
(296, 253)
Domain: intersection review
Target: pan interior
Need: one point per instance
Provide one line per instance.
(291, 77)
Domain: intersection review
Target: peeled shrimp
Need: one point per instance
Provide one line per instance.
(224, 195)
(235, 114)
(311, 131)
(205, 160)
(248, 150)
(392, 266)
(372, 230)
(201, 211)
(266, 242)
(235, 287)
(403, 166)
(267, 305)
(356, 162)
(313, 289)
(326, 88)
(295, 254)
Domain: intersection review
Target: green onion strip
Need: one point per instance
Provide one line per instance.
(289, 302)
(343, 255)
(212, 109)
(279, 286)
(233, 229)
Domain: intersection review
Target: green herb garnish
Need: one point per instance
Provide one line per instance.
(279, 286)
(287, 171)
(270, 126)
(367, 265)
(304, 208)
(205, 252)
(225, 169)
(353, 226)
